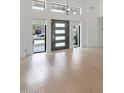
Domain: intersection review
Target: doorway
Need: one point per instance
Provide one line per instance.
(39, 36)
(76, 36)
(59, 34)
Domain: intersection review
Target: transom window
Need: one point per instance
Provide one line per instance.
(41, 5)
(60, 8)
(57, 8)
(38, 5)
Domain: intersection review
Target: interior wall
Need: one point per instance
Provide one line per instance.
(100, 8)
(59, 16)
(25, 28)
(100, 23)
(100, 31)
(22, 28)
(27, 14)
(89, 24)
(39, 21)
(93, 23)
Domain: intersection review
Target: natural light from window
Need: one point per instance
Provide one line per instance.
(38, 5)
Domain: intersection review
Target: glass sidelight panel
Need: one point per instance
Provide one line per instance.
(60, 44)
(76, 36)
(60, 38)
(39, 36)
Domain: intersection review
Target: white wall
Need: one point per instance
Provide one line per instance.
(93, 26)
(91, 23)
(100, 31)
(25, 28)
(100, 8)
(100, 23)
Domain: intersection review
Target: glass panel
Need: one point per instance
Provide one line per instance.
(60, 38)
(54, 10)
(61, 8)
(57, 8)
(60, 31)
(39, 31)
(60, 44)
(59, 25)
(38, 5)
(76, 36)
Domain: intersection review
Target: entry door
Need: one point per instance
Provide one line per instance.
(59, 34)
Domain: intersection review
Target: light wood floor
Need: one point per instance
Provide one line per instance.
(68, 71)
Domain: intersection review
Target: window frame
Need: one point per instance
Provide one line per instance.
(53, 3)
(44, 4)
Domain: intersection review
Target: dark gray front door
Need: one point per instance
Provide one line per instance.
(59, 34)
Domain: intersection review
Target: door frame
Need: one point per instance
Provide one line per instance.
(67, 33)
(45, 43)
(79, 39)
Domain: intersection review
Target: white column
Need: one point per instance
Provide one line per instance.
(48, 27)
(48, 35)
(26, 28)
(70, 35)
(82, 34)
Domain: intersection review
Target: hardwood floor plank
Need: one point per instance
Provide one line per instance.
(78, 70)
